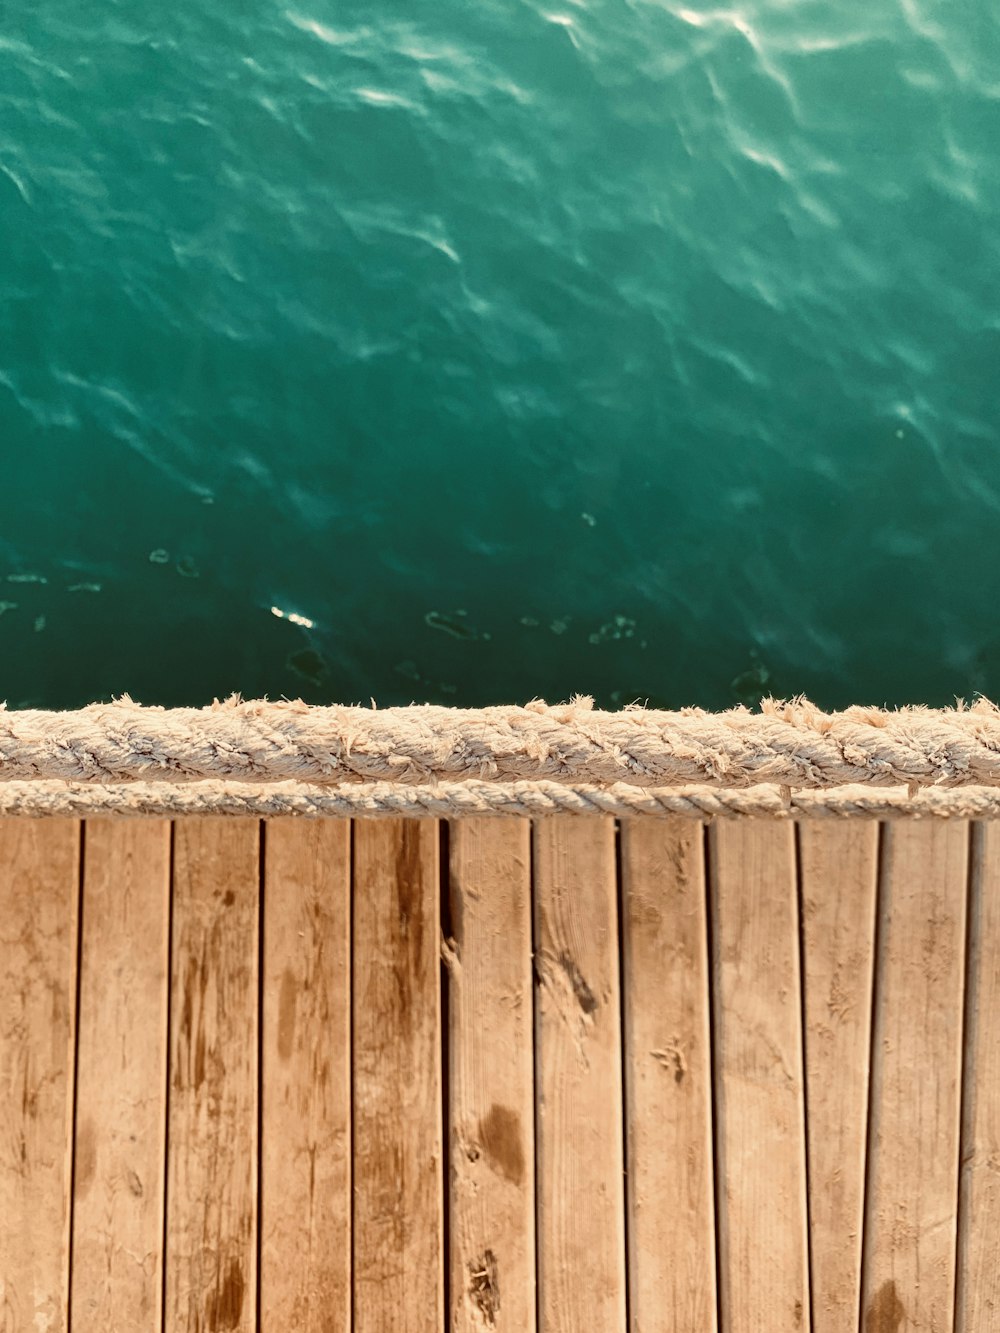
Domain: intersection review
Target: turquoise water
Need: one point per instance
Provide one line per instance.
(639, 349)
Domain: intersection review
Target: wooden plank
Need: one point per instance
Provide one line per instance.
(581, 1241)
(839, 874)
(39, 897)
(211, 1257)
(760, 1143)
(491, 1077)
(668, 1074)
(978, 1264)
(306, 1077)
(911, 1209)
(121, 1077)
(398, 1185)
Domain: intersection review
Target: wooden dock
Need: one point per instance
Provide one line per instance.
(406, 1076)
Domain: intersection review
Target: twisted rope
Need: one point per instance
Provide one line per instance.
(455, 800)
(794, 745)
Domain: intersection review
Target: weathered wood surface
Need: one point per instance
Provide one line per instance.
(579, 1146)
(839, 875)
(978, 1267)
(306, 1077)
(39, 897)
(211, 1254)
(611, 1072)
(760, 1134)
(912, 1201)
(491, 1082)
(122, 1077)
(668, 1077)
(398, 1151)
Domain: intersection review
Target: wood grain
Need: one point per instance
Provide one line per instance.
(398, 1173)
(839, 875)
(762, 1223)
(668, 1077)
(39, 895)
(911, 1210)
(581, 1239)
(121, 1077)
(212, 1149)
(978, 1265)
(306, 1077)
(491, 1078)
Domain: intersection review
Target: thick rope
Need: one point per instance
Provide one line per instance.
(454, 800)
(791, 744)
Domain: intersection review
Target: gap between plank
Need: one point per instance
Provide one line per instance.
(445, 934)
(261, 866)
(623, 1049)
(350, 1064)
(715, 1095)
(76, 1074)
(973, 904)
(803, 1030)
(880, 861)
(166, 1102)
(535, 1059)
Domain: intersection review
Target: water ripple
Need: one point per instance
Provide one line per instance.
(668, 325)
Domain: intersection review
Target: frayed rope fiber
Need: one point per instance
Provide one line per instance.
(457, 757)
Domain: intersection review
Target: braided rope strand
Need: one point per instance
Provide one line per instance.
(792, 744)
(529, 799)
